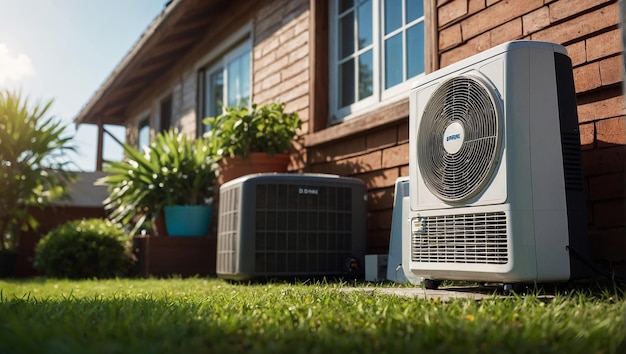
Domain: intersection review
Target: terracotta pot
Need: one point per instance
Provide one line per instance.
(257, 162)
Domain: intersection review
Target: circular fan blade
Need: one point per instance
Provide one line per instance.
(459, 138)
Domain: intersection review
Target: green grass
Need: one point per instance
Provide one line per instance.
(213, 316)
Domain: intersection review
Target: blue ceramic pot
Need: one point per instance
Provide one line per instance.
(188, 220)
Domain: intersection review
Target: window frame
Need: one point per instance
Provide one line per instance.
(217, 61)
(143, 123)
(380, 95)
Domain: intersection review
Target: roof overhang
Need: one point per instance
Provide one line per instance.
(173, 33)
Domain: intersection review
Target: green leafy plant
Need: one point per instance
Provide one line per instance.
(92, 248)
(240, 130)
(173, 170)
(32, 164)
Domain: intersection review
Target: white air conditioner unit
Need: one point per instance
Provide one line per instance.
(496, 186)
(291, 226)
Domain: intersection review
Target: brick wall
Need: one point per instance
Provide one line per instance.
(281, 59)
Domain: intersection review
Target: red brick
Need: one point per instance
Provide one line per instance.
(587, 77)
(353, 165)
(604, 45)
(377, 241)
(451, 11)
(396, 156)
(496, 15)
(380, 199)
(404, 170)
(473, 46)
(475, 6)
(563, 9)
(602, 108)
(450, 37)
(536, 20)
(587, 135)
(611, 131)
(403, 132)
(609, 244)
(379, 178)
(608, 186)
(611, 213)
(491, 2)
(611, 70)
(577, 53)
(338, 150)
(603, 161)
(581, 26)
(381, 138)
(507, 32)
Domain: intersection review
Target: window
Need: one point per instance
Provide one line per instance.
(376, 50)
(226, 82)
(143, 139)
(166, 113)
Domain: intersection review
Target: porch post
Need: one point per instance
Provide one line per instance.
(100, 140)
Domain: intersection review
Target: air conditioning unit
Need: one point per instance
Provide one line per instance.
(291, 226)
(496, 186)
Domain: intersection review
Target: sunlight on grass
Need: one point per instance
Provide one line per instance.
(209, 315)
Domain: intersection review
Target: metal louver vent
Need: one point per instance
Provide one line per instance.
(228, 230)
(479, 238)
(459, 138)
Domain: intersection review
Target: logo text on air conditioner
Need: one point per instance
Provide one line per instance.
(311, 191)
(453, 137)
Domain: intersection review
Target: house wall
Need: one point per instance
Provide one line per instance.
(290, 54)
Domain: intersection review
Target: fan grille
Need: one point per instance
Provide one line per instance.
(464, 110)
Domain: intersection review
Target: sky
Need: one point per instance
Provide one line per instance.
(64, 50)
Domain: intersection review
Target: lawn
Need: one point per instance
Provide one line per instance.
(213, 316)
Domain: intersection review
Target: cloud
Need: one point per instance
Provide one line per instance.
(14, 67)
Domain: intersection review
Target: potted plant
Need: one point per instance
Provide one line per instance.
(32, 168)
(174, 173)
(252, 139)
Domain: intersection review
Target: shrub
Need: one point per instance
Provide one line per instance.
(92, 248)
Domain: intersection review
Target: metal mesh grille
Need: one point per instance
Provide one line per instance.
(479, 238)
(460, 175)
(300, 230)
(228, 230)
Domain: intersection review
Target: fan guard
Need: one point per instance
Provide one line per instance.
(459, 138)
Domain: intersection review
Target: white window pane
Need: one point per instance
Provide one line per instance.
(144, 135)
(415, 50)
(346, 35)
(393, 15)
(366, 75)
(216, 90)
(238, 76)
(364, 24)
(393, 61)
(414, 10)
(346, 83)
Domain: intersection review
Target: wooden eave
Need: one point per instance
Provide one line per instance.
(171, 35)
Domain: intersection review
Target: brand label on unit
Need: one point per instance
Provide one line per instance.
(308, 191)
(453, 137)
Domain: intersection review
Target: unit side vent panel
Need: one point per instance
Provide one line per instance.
(228, 230)
(572, 165)
(479, 238)
(302, 230)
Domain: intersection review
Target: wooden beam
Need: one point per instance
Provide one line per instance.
(100, 150)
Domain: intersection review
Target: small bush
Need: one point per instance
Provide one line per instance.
(92, 248)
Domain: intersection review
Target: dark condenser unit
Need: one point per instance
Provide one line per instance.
(291, 225)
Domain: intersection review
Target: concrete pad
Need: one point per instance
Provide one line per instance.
(443, 294)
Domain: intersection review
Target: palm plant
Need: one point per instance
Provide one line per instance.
(174, 170)
(32, 164)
